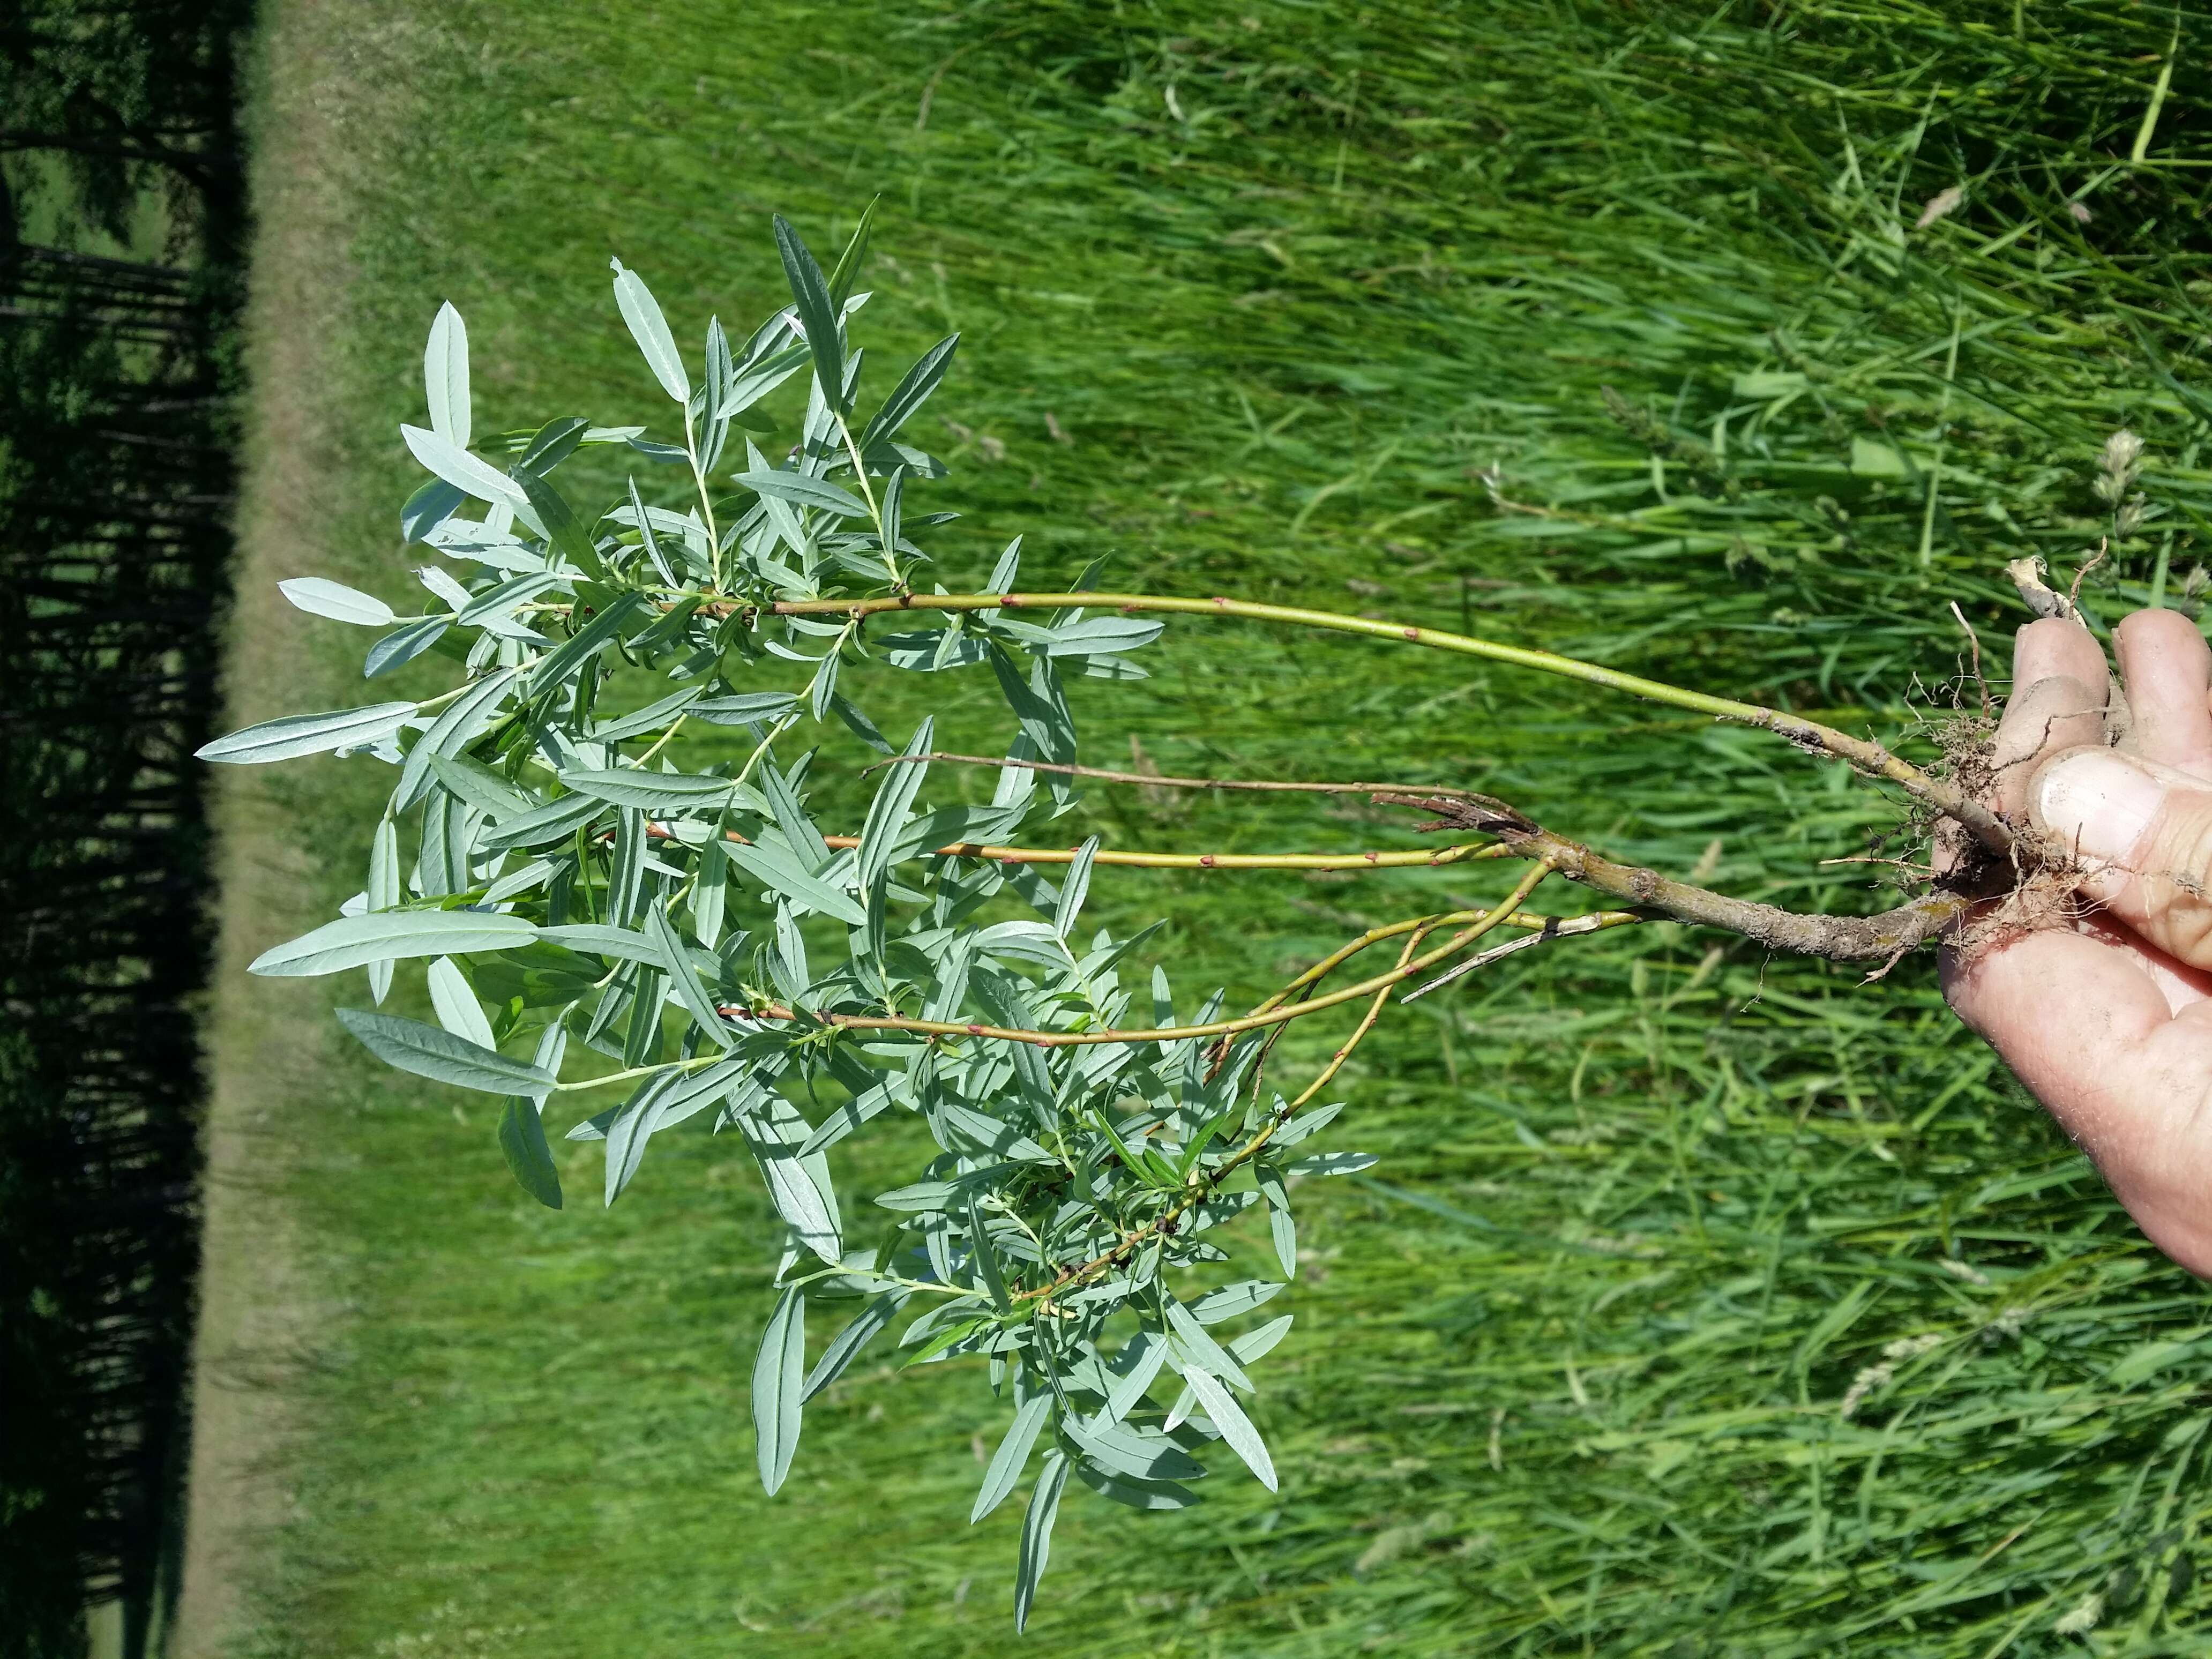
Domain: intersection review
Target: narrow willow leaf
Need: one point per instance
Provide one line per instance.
(746, 708)
(856, 254)
(1282, 1226)
(1098, 634)
(894, 802)
(986, 1257)
(467, 474)
(636, 1118)
(294, 735)
(690, 989)
(594, 637)
(381, 936)
(427, 1051)
(1137, 1494)
(650, 330)
(760, 376)
(318, 598)
(1145, 1454)
(459, 724)
(626, 870)
(1144, 1357)
(1305, 1123)
(522, 1141)
(817, 312)
(1036, 1535)
(1072, 890)
(791, 1188)
(402, 645)
(797, 487)
(779, 1389)
(1256, 1344)
(601, 940)
(481, 787)
(383, 893)
(552, 822)
(568, 533)
(636, 787)
(784, 878)
(1012, 1455)
(910, 394)
(1333, 1163)
(1200, 1351)
(1229, 1300)
(455, 1002)
(845, 1346)
(1236, 1428)
(445, 380)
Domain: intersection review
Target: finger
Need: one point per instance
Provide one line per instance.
(2142, 834)
(2167, 668)
(2058, 712)
(2094, 1037)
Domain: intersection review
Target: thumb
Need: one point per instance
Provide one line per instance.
(2143, 832)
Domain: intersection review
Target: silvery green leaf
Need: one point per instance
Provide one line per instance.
(1333, 1163)
(1036, 1535)
(568, 533)
(429, 1051)
(1137, 1494)
(986, 1258)
(845, 1346)
(923, 1198)
(911, 393)
(403, 646)
(587, 642)
(1231, 1300)
(710, 894)
(690, 989)
(459, 468)
(635, 787)
(479, 786)
(384, 935)
(293, 735)
(858, 723)
(779, 1387)
(650, 330)
(1236, 1428)
(319, 597)
(520, 879)
(745, 708)
(444, 587)
(1198, 1351)
(455, 1002)
(445, 380)
(554, 821)
(1305, 1124)
(1282, 1227)
(893, 802)
(522, 1141)
(762, 375)
(383, 892)
(516, 590)
(1012, 1455)
(1073, 887)
(1098, 634)
(819, 314)
(461, 722)
(626, 870)
(636, 1119)
(1256, 1344)
(1145, 1453)
(1140, 1362)
(431, 505)
(798, 487)
(783, 877)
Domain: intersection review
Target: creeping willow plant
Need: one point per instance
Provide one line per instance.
(573, 887)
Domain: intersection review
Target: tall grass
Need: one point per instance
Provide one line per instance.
(1251, 299)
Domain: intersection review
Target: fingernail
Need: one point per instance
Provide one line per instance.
(2098, 803)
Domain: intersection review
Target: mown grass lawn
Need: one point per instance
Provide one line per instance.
(1249, 300)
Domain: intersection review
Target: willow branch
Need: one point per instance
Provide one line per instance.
(1862, 753)
(1451, 947)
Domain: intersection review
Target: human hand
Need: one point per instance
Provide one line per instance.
(2108, 1020)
